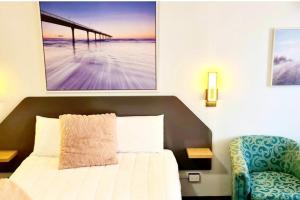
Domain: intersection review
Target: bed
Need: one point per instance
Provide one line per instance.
(138, 176)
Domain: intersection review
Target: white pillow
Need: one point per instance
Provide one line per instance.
(47, 137)
(135, 134)
(140, 133)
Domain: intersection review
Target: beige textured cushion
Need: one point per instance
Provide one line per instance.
(87, 140)
(11, 191)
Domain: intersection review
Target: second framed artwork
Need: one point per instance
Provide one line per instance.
(99, 45)
(286, 57)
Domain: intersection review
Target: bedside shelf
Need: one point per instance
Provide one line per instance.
(7, 155)
(199, 153)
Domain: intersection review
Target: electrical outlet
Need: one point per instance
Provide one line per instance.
(194, 177)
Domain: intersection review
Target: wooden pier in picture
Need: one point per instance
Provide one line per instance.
(55, 19)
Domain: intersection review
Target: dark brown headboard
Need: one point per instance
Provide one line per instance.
(181, 127)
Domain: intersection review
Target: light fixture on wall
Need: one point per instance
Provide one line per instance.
(212, 90)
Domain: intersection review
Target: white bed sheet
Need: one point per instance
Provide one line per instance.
(138, 176)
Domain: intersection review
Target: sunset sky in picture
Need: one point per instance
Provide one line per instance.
(287, 43)
(122, 20)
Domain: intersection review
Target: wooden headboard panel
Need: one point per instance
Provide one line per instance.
(181, 127)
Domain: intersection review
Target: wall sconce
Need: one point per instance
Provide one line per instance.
(212, 90)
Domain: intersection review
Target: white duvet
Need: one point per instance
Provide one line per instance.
(138, 176)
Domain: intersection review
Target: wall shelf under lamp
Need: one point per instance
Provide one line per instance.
(212, 90)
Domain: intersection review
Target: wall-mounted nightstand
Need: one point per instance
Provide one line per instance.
(199, 153)
(200, 159)
(5, 157)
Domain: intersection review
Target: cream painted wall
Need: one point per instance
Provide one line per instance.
(234, 37)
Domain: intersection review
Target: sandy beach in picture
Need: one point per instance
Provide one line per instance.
(108, 46)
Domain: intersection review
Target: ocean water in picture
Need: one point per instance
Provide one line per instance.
(99, 45)
(286, 57)
(98, 65)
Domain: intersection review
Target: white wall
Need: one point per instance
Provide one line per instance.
(234, 38)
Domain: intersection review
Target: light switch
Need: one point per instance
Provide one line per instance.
(194, 177)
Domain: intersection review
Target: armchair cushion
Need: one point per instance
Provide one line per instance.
(271, 185)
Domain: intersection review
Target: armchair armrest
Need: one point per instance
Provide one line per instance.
(240, 172)
(292, 159)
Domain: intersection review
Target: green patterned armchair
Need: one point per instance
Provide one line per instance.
(265, 168)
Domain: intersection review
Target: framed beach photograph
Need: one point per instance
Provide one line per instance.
(99, 45)
(286, 57)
